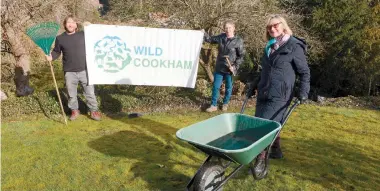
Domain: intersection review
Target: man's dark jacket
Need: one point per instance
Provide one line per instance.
(279, 72)
(233, 47)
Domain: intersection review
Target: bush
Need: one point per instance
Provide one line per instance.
(111, 99)
(40, 102)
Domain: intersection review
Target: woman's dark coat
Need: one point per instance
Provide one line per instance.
(277, 79)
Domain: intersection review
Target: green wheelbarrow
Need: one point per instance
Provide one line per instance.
(231, 138)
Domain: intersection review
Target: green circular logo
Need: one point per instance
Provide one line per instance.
(112, 54)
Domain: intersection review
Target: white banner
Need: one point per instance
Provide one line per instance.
(142, 56)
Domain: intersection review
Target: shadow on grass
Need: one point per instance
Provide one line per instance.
(114, 99)
(195, 96)
(46, 107)
(329, 164)
(44, 110)
(64, 98)
(124, 90)
(107, 104)
(152, 144)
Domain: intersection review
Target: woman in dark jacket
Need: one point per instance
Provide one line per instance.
(284, 58)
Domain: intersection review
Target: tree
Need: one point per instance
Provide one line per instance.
(250, 17)
(351, 60)
(17, 15)
(371, 47)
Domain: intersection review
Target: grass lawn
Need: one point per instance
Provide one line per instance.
(325, 148)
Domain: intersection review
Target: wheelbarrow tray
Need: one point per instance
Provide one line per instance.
(232, 136)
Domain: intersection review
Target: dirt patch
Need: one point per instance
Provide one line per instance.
(351, 102)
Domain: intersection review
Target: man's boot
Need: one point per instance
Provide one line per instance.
(74, 114)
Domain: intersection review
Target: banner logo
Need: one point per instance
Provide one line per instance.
(112, 54)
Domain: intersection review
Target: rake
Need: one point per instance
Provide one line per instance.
(43, 35)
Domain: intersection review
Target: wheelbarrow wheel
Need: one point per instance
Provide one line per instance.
(260, 168)
(209, 177)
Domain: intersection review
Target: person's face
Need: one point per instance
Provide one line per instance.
(229, 29)
(275, 28)
(71, 25)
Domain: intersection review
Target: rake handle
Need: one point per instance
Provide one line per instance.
(56, 88)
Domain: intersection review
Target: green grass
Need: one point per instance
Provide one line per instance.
(325, 148)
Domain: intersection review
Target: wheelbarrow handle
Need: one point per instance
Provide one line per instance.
(249, 93)
(244, 104)
(296, 103)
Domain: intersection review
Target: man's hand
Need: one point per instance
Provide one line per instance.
(49, 57)
(231, 69)
(86, 23)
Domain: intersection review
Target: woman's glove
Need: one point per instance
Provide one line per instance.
(302, 99)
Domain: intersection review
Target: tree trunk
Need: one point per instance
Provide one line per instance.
(206, 62)
(22, 57)
(370, 86)
(18, 49)
(208, 70)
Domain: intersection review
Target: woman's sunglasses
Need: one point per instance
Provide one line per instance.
(269, 27)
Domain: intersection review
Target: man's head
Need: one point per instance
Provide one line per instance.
(229, 28)
(70, 24)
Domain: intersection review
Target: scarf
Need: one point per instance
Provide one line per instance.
(275, 43)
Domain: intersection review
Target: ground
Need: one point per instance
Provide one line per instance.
(325, 148)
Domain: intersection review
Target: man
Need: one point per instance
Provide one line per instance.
(72, 46)
(230, 56)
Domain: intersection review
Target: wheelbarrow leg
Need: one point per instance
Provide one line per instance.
(192, 179)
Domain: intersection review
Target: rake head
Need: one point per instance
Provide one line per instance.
(43, 34)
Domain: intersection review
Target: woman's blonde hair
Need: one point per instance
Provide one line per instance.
(287, 29)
